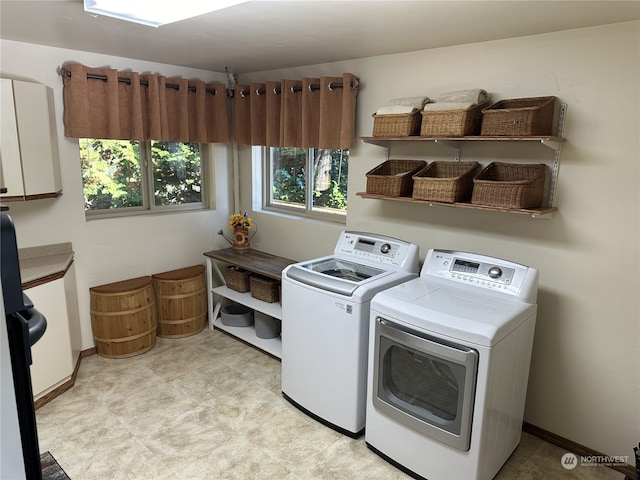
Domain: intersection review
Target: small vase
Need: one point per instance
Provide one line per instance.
(240, 238)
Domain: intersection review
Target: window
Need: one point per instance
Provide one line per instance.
(123, 176)
(310, 182)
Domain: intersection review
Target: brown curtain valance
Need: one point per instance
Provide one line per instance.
(106, 103)
(307, 113)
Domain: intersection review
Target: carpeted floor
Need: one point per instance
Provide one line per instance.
(50, 468)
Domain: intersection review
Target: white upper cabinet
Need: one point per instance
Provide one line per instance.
(29, 162)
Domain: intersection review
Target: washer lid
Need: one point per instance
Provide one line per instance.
(343, 269)
(334, 274)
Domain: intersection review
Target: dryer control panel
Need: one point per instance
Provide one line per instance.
(485, 272)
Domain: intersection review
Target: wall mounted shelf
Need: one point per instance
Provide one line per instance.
(550, 141)
(533, 212)
(553, 142)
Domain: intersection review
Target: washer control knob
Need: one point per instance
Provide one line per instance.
(495, 272)
(385, 248)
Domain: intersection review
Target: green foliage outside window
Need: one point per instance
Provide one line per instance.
(329, 175)
(113, 173)
(176, 172)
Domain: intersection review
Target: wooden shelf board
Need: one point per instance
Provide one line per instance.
(258, 262)
(417, 138)
(534, 212)
(272, 309)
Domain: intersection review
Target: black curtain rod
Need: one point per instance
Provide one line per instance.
(95, 76)
(261, 91)
(298, 88)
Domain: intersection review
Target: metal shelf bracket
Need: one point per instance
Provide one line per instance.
(557, 148)
(456, 145)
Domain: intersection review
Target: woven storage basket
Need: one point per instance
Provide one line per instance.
(393, 177)
(519, 117)
(452, 123)
(263, 288)
(509, 185)
(445, 182)
(237, 279)
(396, 125)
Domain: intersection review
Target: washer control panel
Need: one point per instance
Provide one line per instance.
(481, 271)
(380, 249)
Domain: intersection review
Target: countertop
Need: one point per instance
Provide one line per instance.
(44, 263)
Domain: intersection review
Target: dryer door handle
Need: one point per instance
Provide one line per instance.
(426, 343)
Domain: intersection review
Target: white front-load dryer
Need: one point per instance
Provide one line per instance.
(449, 363)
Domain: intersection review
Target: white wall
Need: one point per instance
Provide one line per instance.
(109, 250)
(584, 382)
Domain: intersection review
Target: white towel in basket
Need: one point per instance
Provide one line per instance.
(395, 109)
(473, 95)
(417, 102)
(438, 107)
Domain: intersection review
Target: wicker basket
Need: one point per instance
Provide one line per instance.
(445, 182)
(236, 279)
(509, 185)
(393, 177)
(519, 117)
(452, 123)
(263, 288)
(396, 125)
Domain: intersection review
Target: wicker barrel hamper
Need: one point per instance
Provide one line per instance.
(181, 297)
(123, 317)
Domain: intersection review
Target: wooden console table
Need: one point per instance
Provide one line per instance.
(254, 261)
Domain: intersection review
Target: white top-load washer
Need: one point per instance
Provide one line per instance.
(325, 324)
(449, 363)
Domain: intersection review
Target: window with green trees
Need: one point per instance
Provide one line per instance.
(307, 181)
(124, 176)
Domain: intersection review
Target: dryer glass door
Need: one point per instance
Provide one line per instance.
(424, 382)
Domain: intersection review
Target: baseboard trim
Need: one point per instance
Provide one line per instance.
(573, 447)
(56, 392)
(60, 389)
(88, 352)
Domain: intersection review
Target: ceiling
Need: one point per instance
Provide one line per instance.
(270, 34)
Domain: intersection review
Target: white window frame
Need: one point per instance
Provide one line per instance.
(262, 160)
(148, 200)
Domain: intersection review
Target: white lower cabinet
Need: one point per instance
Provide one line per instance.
(56, 353)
